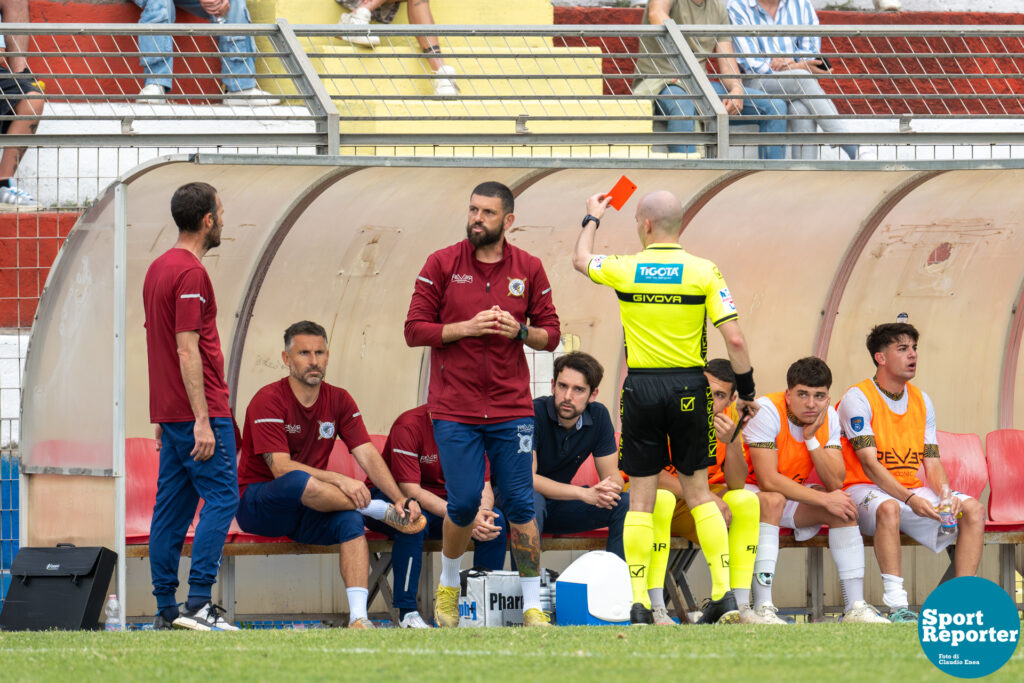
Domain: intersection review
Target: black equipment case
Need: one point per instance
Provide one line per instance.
(63, 587)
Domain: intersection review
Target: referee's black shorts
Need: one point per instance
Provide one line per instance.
(663, 408)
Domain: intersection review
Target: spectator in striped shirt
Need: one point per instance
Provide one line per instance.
(772, 54)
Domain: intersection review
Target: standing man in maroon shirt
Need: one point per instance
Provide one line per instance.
(476, 303)
(188, 403)
(287, 488)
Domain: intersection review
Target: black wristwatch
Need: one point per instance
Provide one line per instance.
(588, 218)
(524, 332)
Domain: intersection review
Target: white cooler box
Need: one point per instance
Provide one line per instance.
(594, 590)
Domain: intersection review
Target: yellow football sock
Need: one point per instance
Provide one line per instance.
(664, 506)
(714, 541)
(637, 541)
(743, 532)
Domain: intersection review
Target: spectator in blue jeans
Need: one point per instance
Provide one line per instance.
(239, 70)
(569, 427)
(411, 454)
(658, 76)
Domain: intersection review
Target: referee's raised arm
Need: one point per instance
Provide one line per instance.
(585, 243)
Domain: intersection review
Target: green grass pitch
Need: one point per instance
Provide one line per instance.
(824, 652)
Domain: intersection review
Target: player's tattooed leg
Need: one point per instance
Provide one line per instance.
(525, 543)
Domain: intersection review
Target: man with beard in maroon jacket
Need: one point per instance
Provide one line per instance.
(476, 303)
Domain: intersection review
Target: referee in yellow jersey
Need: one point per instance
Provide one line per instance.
(665, 295)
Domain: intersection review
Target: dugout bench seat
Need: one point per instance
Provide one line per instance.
(962, 457)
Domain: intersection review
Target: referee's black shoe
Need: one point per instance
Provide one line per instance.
(639, 614)
(721, 611)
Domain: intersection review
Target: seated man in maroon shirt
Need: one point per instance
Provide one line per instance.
(412, 455)
(285, 486)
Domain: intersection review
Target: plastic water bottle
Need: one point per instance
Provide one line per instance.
(112, 612)
(947, 520)
(902, 318)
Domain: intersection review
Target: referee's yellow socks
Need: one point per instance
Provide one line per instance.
(637, 541)
(743, 532)
(714, 541)
(664, 507)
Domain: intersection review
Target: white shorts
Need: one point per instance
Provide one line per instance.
(924, 530)
(801, 533)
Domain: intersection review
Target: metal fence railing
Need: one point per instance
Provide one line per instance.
(552, 91)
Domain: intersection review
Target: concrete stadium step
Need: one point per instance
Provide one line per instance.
(501, 71)
(459, 116)
(449, 12)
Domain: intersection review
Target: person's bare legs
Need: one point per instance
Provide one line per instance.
(32, 105)
(887, 538)
(353, 555)
(419, 13)
(455, 539)
(970, 539)
(324, 497)
(354, 563)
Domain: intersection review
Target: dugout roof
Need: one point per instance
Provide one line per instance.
(814, 258)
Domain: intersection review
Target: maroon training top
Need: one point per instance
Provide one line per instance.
(479, 379)
(177, 296)
(276, 422)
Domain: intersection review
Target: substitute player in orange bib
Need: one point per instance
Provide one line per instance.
(796, 432)
(888, 433)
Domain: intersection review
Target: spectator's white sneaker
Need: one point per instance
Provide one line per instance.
(444, 84)
(260, 98)
(888, 5)
(359, 17)
(413, 620)
(861, 612)
(154, 92)
(14, 199)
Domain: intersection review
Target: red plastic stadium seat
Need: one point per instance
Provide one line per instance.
(964, 462)
(142, 462)
(343, 462)
(586, 475)
(1005, 449)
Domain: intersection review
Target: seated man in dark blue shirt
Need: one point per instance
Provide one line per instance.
(568, 427)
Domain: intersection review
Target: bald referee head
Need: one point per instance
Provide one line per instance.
(659, 217)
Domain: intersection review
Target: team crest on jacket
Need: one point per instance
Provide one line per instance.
(516, 286)
(857, 424)
(326, 430)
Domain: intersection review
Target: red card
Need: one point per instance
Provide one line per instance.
(621, 193)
